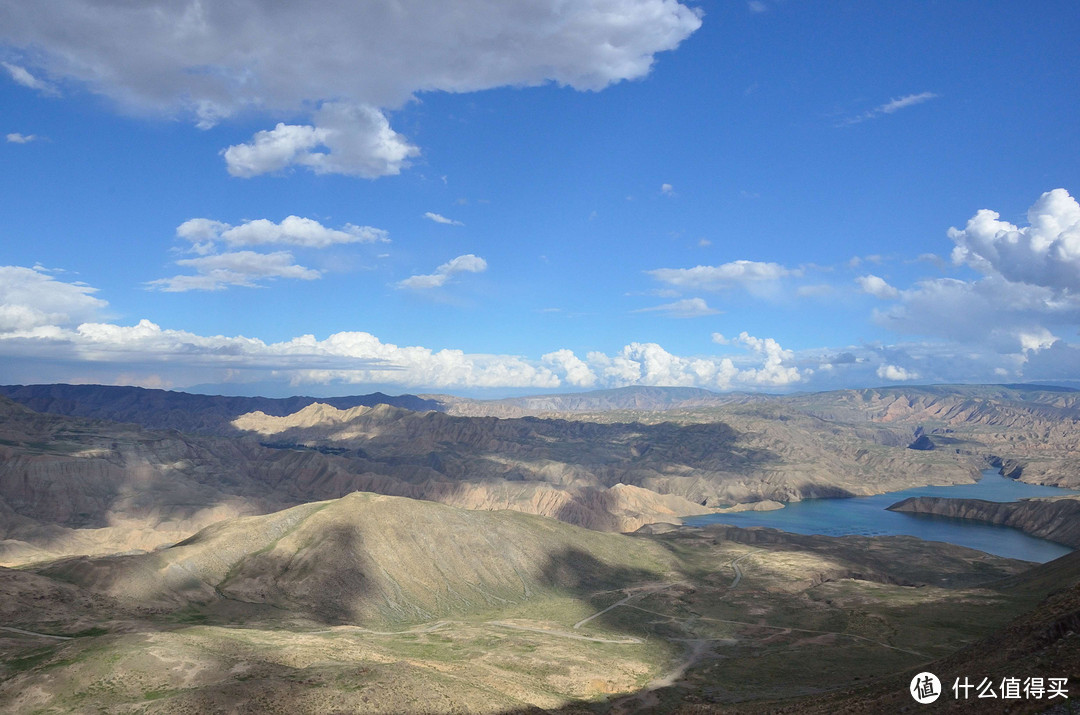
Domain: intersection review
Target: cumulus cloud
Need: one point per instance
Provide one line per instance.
(1046, 252)
(1031, 282)
(892, 106)
(17, 138)
(292, 231)
(877, 287)
(686, 308)
(437, 218)
(895, 373)
(355, 140)
(991, 311)
(727, 275)
(67, 328)
(765, 365)
(216, 270)
(347, 60)
(237, 268)
(462, 264)
(667, 189)
(575, 371)
(22, 76)
(776, 369)
(31, 299)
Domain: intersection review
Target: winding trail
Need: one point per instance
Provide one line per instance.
(738, 571)
(415, 629)
(629, 640)
(789, 629)
(697, 648)
(639, 592)
(32, 633)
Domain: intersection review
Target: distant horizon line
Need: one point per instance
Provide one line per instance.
(1052, 386)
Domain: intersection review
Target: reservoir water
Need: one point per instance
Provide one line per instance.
(868, 516)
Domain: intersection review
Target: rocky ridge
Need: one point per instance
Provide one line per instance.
(1055, 518)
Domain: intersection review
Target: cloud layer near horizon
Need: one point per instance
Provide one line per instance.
(998, 326)
(68, 331)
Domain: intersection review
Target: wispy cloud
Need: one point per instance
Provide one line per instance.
(891, 107)
(16, 138)
(462, 264)
(216, 269)
(726, 275)
(439, 218)
(292, 231)
(238, 268)
(22, 76)
(686, 308)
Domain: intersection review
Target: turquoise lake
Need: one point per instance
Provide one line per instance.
(868, 516)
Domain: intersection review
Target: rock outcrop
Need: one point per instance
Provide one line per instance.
(1056, 519)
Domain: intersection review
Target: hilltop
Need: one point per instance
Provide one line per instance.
(139, 487)
(384, 604)
(182, 411)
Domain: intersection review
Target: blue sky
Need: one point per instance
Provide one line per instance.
(498, 198)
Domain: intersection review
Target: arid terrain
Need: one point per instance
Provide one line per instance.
(281, 556)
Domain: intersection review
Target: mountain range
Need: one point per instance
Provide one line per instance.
(185, 553)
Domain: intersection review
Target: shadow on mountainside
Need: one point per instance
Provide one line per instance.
(429, 669)
(430, 673)
(183, 411)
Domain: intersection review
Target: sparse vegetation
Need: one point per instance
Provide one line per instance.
(384, 604)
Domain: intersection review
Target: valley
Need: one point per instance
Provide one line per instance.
(375, 558)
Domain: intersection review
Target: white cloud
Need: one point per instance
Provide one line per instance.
(1044, 253)
(238, 268)
(16, 138)
(32, 299)
(292, 231)
(895, 373)
(892, 106)
(727, 275)
(574, 370)
(65, 331)
(1031, 283)
(217, 271)
(22, 76)
(686, 308)
(462, 264)
(775, 370)
(47, 324)
(1036, 340)
(756, 6)
(766, 365)
(438, 218)
(348, 60)
(357, 139)
(877, 287)
(667, 189)
(991, 311)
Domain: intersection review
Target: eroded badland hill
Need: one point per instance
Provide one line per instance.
(363, 557)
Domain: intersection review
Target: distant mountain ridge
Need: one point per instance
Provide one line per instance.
(637, 397)
(184, 411)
